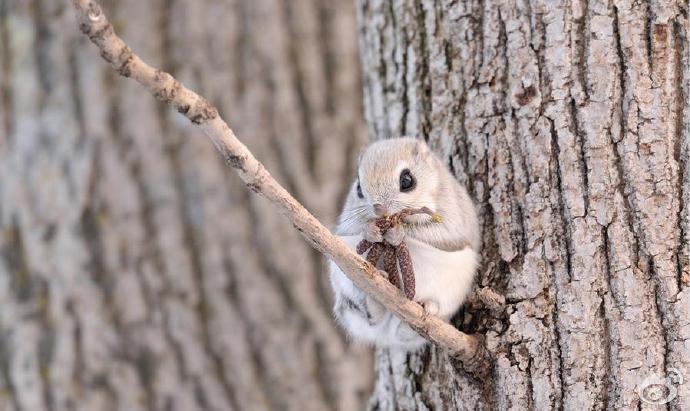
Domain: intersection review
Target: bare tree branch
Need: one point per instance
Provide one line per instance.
(93, 23)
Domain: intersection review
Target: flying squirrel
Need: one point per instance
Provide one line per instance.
(395, 175)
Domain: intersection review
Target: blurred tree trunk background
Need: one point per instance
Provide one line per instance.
(136, 270)
(569, 121)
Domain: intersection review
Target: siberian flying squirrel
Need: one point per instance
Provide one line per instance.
(393, 175)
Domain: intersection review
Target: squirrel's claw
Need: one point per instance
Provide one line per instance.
(394, 235)
(372, 233)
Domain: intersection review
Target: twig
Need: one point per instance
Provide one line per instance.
(93, 23)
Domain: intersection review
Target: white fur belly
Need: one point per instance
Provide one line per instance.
(442, 276)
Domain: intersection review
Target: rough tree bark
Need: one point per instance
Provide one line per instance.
(570, 124)
(136, 271)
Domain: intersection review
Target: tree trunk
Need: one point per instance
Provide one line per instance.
(570, 124)
(136, 271)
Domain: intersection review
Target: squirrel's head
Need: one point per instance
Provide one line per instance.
(396, 174)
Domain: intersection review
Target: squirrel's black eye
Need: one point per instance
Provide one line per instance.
(359, 190)
(407, 181)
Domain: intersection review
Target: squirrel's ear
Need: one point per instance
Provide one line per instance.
(419, 148)
(361, 153)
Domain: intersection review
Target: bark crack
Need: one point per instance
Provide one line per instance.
(75, 88)
(242, 48)
(561, 206)
(5, 370)
(582, 45)
(681, 153)
(15, 254)
(580, 141)
(306, 113)
(609, 382)
(44, 63)
(424, 82)
(234, 299)
(6, 68)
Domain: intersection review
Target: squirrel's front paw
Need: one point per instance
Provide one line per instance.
(372, 233)
(430, 306)
(394, 235)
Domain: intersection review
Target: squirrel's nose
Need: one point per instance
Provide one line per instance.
(380, 210)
